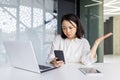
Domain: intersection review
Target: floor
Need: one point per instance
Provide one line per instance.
(111, 59)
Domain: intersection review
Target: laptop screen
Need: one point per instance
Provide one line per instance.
(21, 55)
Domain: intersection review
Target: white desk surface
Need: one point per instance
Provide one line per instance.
(110, 71)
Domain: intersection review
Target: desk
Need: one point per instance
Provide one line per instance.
(110, 71)
(9, 73)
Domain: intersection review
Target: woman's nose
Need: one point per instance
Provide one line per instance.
(68, 30)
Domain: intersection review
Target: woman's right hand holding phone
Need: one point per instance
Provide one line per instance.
(56, 62)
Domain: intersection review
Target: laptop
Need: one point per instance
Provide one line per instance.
(22, 55)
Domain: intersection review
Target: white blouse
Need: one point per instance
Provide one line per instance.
(75, 50)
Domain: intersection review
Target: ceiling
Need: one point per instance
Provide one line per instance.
(111, 8)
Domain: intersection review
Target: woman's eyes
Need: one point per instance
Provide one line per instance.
(63, 28)
(68, 27)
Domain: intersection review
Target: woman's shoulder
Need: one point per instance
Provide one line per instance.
(57, 39)
(58, 36)
(84, 39)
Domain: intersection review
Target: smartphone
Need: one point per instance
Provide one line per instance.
(59, 54)
(88, 71)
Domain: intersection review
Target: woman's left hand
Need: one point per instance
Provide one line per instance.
(100, 39)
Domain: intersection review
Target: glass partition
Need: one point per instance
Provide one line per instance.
(34, 20)
(91, 14)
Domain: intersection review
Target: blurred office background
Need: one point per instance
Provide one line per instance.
(112, 23)
(39, 22)
(34, 20)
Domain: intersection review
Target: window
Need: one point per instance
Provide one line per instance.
(26, 20)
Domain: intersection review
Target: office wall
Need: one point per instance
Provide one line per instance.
(65, 7)
(112, 43)
(108, 43)
(116, 35)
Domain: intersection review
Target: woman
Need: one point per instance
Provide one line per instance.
(72, 42)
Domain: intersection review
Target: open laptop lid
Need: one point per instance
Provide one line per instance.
(22, 55)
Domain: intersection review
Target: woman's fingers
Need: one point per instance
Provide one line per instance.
(103, 37)
(107, 35)
(59, 63)
(55, 59)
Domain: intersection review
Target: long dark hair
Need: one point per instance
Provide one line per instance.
(76, 20)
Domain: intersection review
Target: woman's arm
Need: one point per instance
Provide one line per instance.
(97, 42)
(51, 57)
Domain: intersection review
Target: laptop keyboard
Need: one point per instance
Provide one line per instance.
(44, 67)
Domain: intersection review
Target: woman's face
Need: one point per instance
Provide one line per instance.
(69, 29)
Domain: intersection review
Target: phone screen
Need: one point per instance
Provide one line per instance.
(59, 54)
